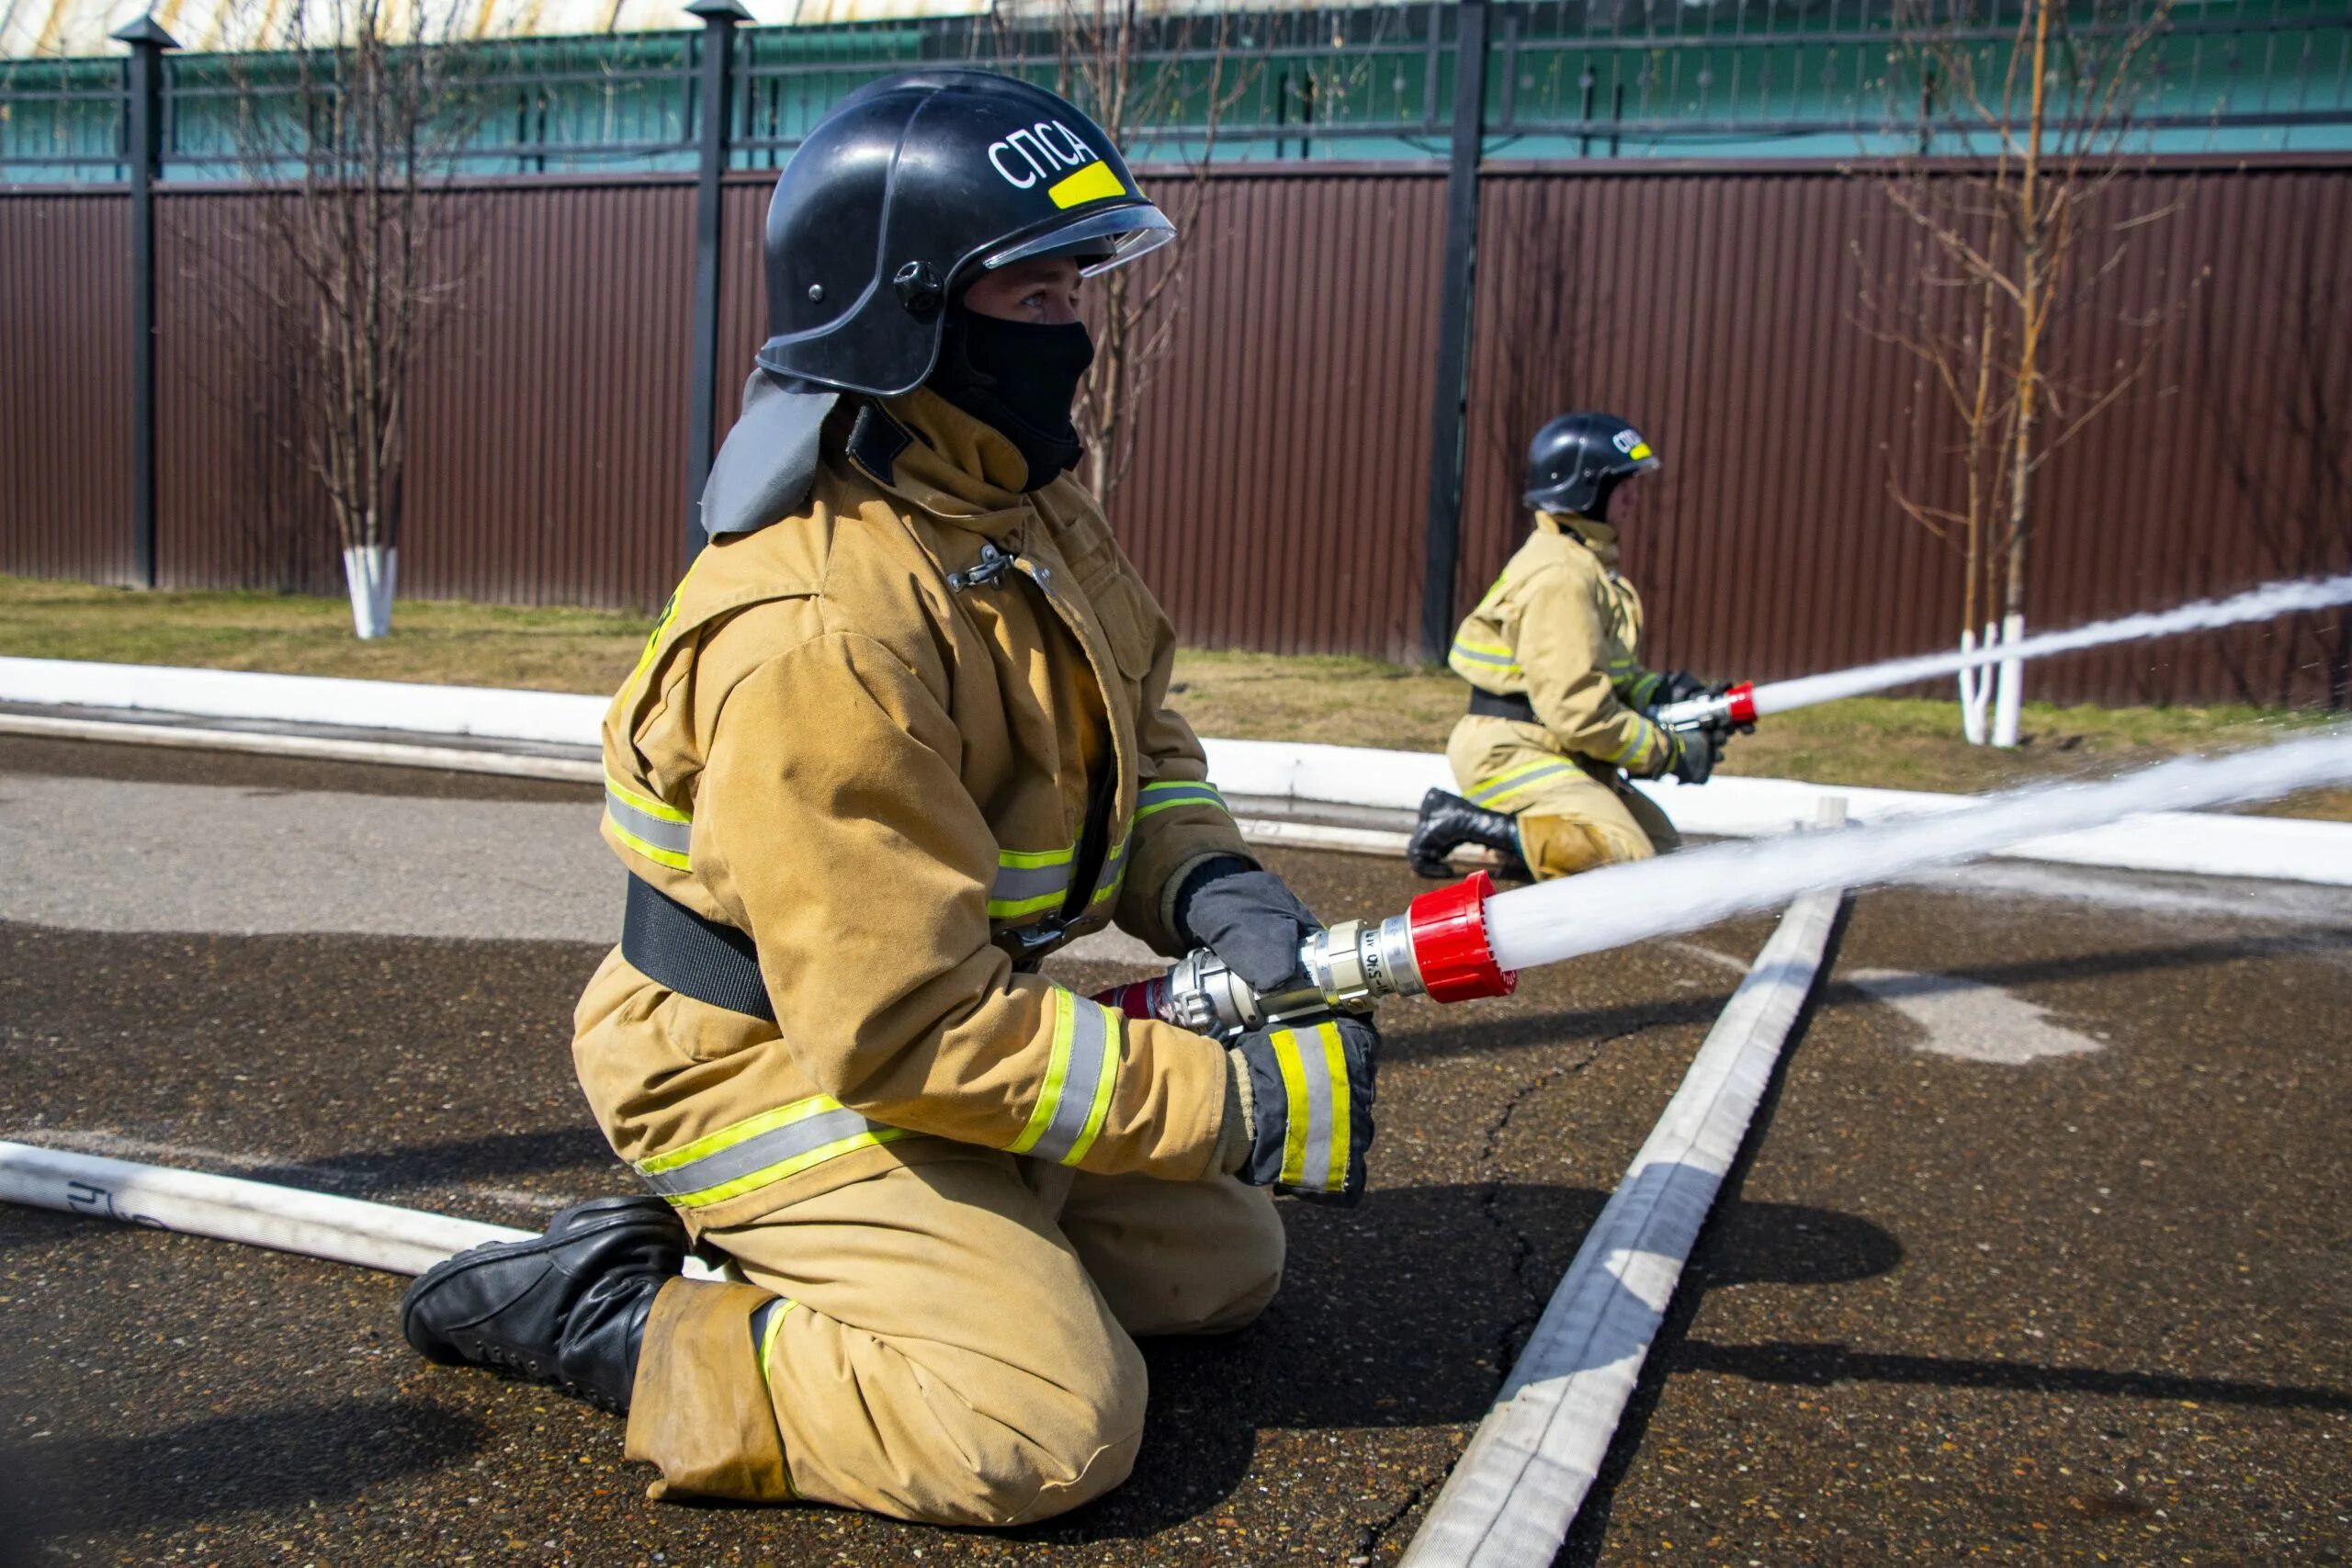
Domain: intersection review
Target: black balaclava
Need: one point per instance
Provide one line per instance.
(1019, 378)
(1601, 490)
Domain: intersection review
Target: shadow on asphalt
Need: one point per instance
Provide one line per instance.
(456, 1161)
(1402, 1313)
(281, 1460)
(1819, 1365)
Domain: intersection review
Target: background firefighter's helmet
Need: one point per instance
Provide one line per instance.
(1575, 459)
(910, 187)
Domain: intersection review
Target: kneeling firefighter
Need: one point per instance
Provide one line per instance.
(1559, 701)
(900, 732)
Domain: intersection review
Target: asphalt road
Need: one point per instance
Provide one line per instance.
(2042, 1254)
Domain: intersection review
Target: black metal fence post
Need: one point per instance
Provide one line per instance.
(720, 19)
(1456, 305)
(143, 125)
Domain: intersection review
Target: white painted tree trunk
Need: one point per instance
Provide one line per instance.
(368, 571)
(2010, 696)
(1975, 692)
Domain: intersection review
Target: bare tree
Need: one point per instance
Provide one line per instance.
(2017, 216)
(1139, 67)
(354, 121)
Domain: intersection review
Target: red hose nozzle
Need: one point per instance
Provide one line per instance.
(1450, 949)
(1740, 703)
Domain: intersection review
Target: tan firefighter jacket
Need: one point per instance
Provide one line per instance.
(1562, 628)
(881, 769)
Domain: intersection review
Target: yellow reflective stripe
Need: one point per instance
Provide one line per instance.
(1638, 746)
(1014, 909)
(653, 852)
(1639, 450)
(1511, 780)
(1029, 882)
(1050, 1097)
(646, 802)
(1030, 860)
(1117, 865)
(1169, 795)
(738, 1133)
(653, 639)
(777, 1314)
(654, 829)
(1293, 1071)
(762, 1150)
(1105, 1077)
(768, 1175)
(1493, 653)
(783, 1306)
(1084, 1062)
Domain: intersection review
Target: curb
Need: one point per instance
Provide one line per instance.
(2189, 844)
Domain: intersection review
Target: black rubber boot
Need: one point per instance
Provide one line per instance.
(566, 1309)
(1448, 822)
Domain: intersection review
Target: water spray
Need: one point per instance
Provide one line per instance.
(1743, 703)
(1469, 940)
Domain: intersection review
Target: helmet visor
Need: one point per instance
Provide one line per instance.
(1124, 233)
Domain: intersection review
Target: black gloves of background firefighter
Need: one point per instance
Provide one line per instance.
(1689, 754)
(1680, 686)
(1305, 1085)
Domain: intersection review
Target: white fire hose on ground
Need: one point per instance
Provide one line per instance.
(227, 1208)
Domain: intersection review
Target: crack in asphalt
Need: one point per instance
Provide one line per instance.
(1534, 1292)
(1514, 1332)
(1369, 1538)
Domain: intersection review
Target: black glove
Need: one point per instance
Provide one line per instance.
(1311, 1092)
(1250, 920)
(1689, 754)
(1680, 686)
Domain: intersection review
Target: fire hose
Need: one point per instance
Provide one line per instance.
(1468, 940)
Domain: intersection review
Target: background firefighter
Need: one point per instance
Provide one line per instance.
(900, 733)
(1560, 703)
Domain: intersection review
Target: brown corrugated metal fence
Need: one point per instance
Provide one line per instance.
(1277, 493)
(1275, 497)
(65, 386)
(548, 402)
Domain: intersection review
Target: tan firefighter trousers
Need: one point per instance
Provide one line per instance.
(953, 1343)
(1573, 814)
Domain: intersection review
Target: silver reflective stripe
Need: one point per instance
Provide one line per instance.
(1016, 884)
(757, 1154)
(1183, 789)
(1512, 782)
(1113, 869)
(1081, 1082)
(658, 831)
(1165, 796)
(1315, 1173)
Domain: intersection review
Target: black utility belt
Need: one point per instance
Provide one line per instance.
(705, 959)
(1487, 705)
(718, 964)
